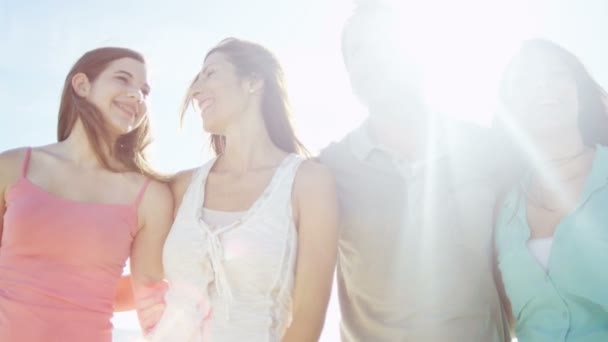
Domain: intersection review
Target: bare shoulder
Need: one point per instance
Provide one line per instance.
(13, 157)
(11, 162)
(156, 204)
(315, 201)
(312, 170)
(313, 179)
(183, 178)
(159, 192)
(179, 184)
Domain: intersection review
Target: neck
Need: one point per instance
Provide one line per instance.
(248, 146)
(560, 146)
(562, 159)
(80, 150)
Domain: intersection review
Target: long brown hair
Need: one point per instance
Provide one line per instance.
(129, 148)
(254, 59)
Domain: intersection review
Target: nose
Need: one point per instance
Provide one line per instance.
(137, 94)
(196, 87)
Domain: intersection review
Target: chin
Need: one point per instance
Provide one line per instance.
(122, 129)
(215, 125)
(120, 125)
(212, 128)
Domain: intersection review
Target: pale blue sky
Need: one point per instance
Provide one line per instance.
(40, 40)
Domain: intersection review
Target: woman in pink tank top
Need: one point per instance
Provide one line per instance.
(74, 211)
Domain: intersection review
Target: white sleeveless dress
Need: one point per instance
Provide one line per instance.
(233, 282)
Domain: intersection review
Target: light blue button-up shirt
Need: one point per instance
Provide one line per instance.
(568, 302)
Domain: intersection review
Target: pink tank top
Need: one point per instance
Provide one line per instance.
(60, 262)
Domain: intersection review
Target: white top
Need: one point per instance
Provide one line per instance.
(231, 282)
(541, 250)
(220, 217)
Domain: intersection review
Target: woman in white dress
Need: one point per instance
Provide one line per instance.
(251, 254)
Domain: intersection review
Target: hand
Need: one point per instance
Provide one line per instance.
(150, 305)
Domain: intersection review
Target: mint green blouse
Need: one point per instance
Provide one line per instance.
(569, 302)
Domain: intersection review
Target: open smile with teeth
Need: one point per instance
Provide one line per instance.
(127, 109)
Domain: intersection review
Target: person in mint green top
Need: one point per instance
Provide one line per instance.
(552, 225)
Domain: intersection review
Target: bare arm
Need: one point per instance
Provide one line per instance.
(316, 212)
(3, 187)
(10, 170)
(146, 254)
(150, 304)
(148, 307)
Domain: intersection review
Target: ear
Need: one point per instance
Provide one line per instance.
(255, 84)
(81, 84)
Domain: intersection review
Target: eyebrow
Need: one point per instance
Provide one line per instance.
(124, 72)
(207, 67)
(145, 88)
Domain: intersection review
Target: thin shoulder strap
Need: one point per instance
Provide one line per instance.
(26, 161)
(142, 191)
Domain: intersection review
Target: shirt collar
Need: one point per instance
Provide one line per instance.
(362, 146)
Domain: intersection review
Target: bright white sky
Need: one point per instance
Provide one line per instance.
(40, 40)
